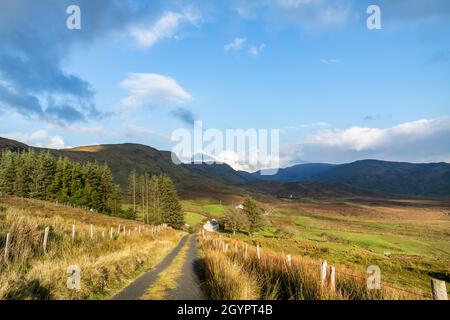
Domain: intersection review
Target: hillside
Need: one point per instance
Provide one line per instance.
(8, 144)
(366, 177)
(123, 158)
(429, 179)
(300, 172)
(110, 251)
(222, 172)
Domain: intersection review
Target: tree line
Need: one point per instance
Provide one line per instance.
(155, 199)
(39, 175)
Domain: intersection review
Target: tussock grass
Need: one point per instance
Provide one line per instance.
(106, 264)
(225, 279)
(233, 274)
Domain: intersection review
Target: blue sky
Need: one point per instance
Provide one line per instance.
(136, 71)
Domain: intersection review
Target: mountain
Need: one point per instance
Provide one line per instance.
(222, 172)
(428, 179)
(12, 145)
(123, 158)
(299, 172)
(362, 178)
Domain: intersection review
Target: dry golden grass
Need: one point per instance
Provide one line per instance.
(235, 274)
(106, 264)
(225, 279)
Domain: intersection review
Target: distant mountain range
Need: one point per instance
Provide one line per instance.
(363, 178)
(425, 179)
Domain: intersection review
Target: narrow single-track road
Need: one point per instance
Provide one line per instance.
(188, 283)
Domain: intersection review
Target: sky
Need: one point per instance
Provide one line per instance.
(138, 70)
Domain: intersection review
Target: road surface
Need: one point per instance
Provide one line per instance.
(188, 284)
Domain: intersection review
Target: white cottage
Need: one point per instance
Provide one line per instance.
(211, 226)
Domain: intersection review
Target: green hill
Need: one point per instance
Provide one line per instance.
(122, 158)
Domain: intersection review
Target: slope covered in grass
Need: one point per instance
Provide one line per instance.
(106, 263)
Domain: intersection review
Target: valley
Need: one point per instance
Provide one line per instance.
(351, 228)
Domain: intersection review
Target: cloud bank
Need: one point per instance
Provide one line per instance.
(426, 140)
(34, 43)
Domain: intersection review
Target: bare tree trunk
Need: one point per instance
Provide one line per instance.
(143, 199)
(146, 198)
(134, 193)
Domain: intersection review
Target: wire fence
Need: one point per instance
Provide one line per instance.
(417, 292)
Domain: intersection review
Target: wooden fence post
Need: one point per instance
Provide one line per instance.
(246, 251)
(258, 254)
(73, 232)
(118, 229)
(323, 273)
(289, 260)
(103, 234)
(92, 232)
(226, 247)
(332, 279)
(47, 229)
(438, 289)
(111, 233)
(7, 247)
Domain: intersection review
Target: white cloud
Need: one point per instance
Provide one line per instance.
(239, 44)
(39, 138)
(417, 141)
(256, 50)
(236, 45)
(165, 27)
(247, 160)
(150, 87)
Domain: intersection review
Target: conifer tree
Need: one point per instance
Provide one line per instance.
(171, 210)
(44, 171)
(78, 195)
(25, 162)
(7, 172)
(253, 213)
(40, 176)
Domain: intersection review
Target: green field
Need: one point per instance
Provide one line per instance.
(213, 210)
(193, 219)
(408, 247)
